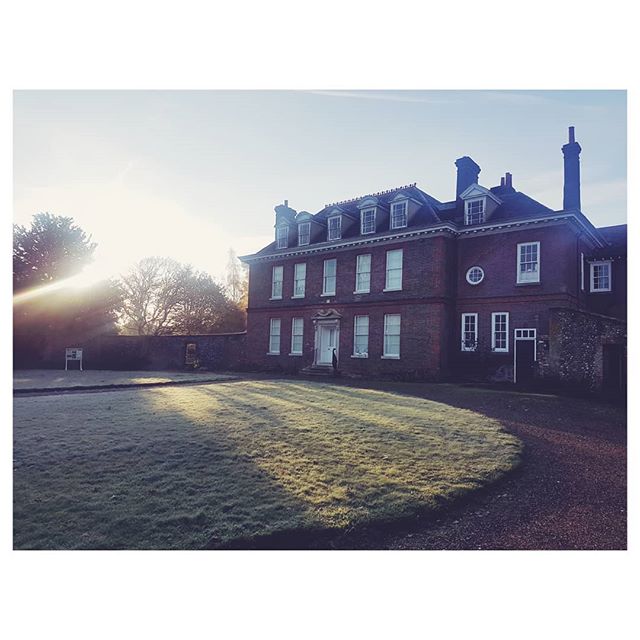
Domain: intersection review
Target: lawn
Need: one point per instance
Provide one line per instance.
(183, 467)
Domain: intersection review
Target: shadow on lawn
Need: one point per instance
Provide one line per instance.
(315, 466)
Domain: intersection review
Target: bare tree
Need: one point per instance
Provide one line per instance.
(164, 297)
(237, 279)
(152, 293)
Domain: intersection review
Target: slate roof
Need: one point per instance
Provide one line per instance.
(515, 206)
(616, 238)
(425, 215)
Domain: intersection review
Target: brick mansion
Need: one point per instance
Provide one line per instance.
(489, 284)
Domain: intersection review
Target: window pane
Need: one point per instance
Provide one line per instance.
(276, 284)
(304, 230)
(361, 335)
(391, 346)
(300, 273)
(368, 221)
(329, 280)
(399, 215)
(363, 273)
(274, 336)
(394, 269)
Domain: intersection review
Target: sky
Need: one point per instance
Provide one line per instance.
(191, 174)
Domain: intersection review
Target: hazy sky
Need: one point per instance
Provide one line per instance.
(190, 174)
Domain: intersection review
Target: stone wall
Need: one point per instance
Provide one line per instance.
(573, 352)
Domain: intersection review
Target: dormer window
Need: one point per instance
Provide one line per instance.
(368, 221)
(304, 233)
(398, 215)
(335, 228)
(474, 211)
(282, 237)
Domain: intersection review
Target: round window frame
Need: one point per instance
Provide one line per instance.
(469, 270)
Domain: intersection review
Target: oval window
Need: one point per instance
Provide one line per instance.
(475, 275)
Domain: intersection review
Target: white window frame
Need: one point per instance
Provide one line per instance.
(600, 263)
(277, 269)
(330, 237)
(296, 278)
(519, 276)
(359, 272)
(325, 277)
(282, 239)
(295, 334)
(405, 205)
(308, 233)
(467, 210)
(273, 322)
(388, 270)
(462, 331)
(469, 270)
(363, 214)
(386, 354)
(356, 353)
(494, 316)
(581, 271)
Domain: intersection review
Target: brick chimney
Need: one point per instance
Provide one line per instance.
(468, 172)
(571, 151)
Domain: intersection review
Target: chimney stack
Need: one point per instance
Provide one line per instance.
(468, 172)
(571, 152)
(508, 178)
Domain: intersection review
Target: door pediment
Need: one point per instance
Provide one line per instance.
(326, 314)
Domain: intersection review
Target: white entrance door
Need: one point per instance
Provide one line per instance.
(327, 342)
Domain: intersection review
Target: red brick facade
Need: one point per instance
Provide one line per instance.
(439, 245)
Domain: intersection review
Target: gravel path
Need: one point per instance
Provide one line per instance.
(569, 492)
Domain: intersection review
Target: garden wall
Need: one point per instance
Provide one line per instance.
(152, 353)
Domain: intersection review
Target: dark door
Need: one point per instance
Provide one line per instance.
(614, 368)
(524, 360)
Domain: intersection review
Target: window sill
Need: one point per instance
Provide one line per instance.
(499, 350)
(280, 298)
(398, 228)
(527, 284)
(297, 297)
(390, 357)
(600, 291)
(468, 350)
(271, 353)
(295, 354)
(388, 290)
(359, 293)
(327, 295)
(361, 356)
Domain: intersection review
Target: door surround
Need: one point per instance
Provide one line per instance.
(325, 319)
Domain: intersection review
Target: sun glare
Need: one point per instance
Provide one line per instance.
(88, 277)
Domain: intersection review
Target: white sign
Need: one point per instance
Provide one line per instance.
(72, 353)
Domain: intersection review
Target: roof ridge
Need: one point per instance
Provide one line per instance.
(369, 195)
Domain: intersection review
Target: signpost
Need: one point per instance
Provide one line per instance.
(72, 353)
